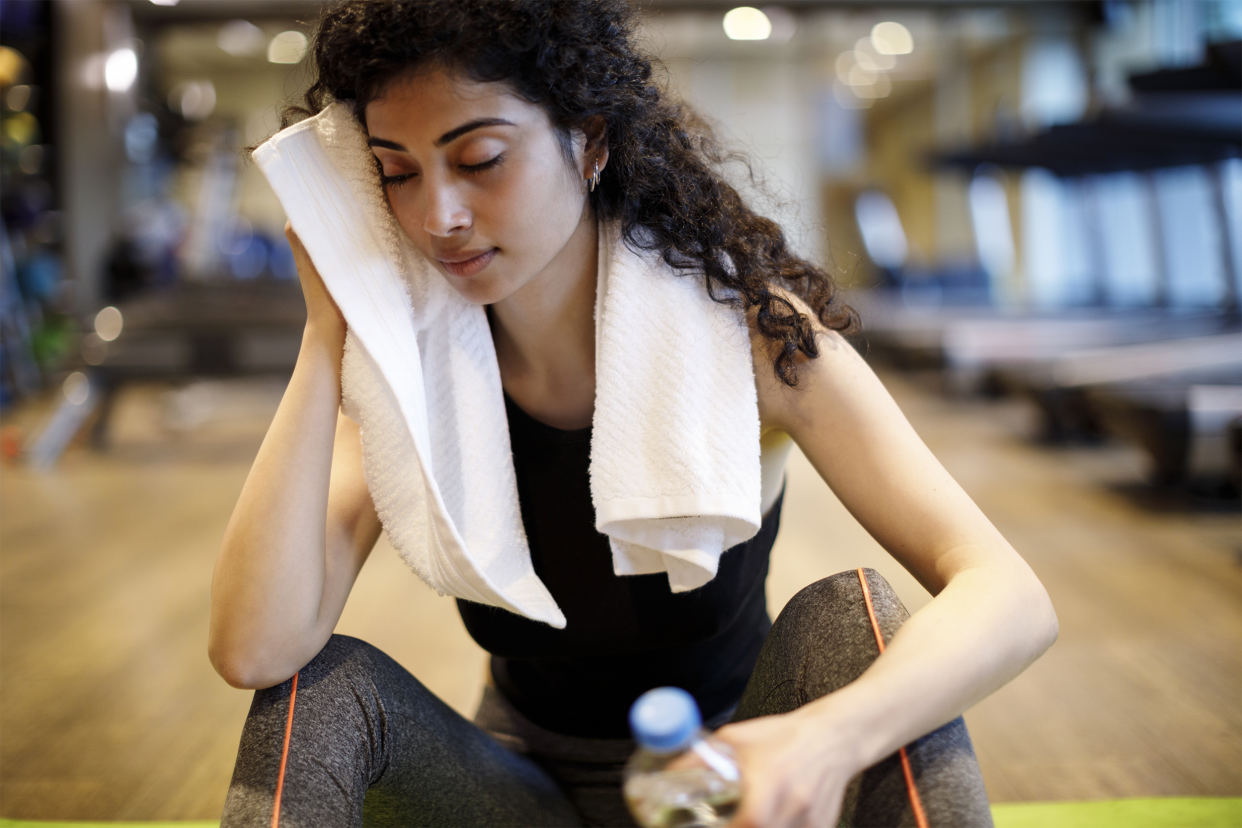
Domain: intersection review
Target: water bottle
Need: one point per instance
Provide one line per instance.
(667, 725)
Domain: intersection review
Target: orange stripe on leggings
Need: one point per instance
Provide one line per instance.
(284, 754)
(920, 818)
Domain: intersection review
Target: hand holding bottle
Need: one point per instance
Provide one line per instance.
(680, 777)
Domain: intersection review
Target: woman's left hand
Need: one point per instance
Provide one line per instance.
(794, 772)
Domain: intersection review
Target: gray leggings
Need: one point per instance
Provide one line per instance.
(371, 746)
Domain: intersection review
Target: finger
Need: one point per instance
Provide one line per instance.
(295, 244)
(754, 811)
(687, 760)
(301, 258)
(827, 809)
(747, 817)
(793, 810)
(300, 255)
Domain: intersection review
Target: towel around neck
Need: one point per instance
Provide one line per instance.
(675, 472)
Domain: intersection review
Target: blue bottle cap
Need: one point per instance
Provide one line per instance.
(665, 719)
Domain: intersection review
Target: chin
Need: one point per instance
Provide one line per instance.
(478, 291)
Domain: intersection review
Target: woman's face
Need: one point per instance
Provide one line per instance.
(477, 179)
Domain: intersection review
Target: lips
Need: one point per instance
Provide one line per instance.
(468, 262)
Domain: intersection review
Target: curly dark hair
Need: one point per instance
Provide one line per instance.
(577, 60)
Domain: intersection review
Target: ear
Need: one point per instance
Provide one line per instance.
(595, 146)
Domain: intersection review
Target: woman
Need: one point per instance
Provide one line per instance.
(506, 135)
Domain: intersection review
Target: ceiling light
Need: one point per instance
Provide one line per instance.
(747, 23)
(287, 47)
(891, 38)
(121, 70)
(241, 38)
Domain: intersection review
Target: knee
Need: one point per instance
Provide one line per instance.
(830, 591)
(840, 600)
(343, 653)
(890, 613)
(345, 670)
(827, 629)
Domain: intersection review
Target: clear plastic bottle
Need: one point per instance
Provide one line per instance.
(667, 725)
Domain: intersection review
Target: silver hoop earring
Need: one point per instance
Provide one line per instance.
(594, 179)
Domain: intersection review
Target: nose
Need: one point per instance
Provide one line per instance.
(446, 210)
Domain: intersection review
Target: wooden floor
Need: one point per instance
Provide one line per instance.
(109, 709)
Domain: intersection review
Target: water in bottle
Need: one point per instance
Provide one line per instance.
(692, 794)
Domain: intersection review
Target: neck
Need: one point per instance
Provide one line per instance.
(545, 335)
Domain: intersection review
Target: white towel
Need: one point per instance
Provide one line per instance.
(675, 475)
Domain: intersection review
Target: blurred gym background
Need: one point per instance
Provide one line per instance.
(1035, 206)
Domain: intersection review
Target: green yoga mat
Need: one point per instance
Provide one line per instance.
(38, 823)
(1164, 812)
(1167, 812)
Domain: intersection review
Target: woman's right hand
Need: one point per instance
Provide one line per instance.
(304, 522)
(323, 317)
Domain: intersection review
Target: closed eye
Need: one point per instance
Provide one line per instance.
(474, 169)
(469, 169)
(395, 180)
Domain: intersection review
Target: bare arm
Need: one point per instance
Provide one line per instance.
(304, 523)
(989, 620)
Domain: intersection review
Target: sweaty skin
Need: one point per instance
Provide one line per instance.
(478, 181)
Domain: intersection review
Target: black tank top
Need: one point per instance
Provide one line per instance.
(626, 634)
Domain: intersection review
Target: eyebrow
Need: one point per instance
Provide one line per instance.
(448, 137)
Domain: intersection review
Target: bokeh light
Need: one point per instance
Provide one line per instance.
(891, 38)
(77, 388)
(121, 70)
(17, 98)
(241, 38)
(21, 128)
(195, 100)
(108, 323)
(12, 66)
(287, 47)
(747, 23)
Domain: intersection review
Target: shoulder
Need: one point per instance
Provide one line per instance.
(782, 407)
